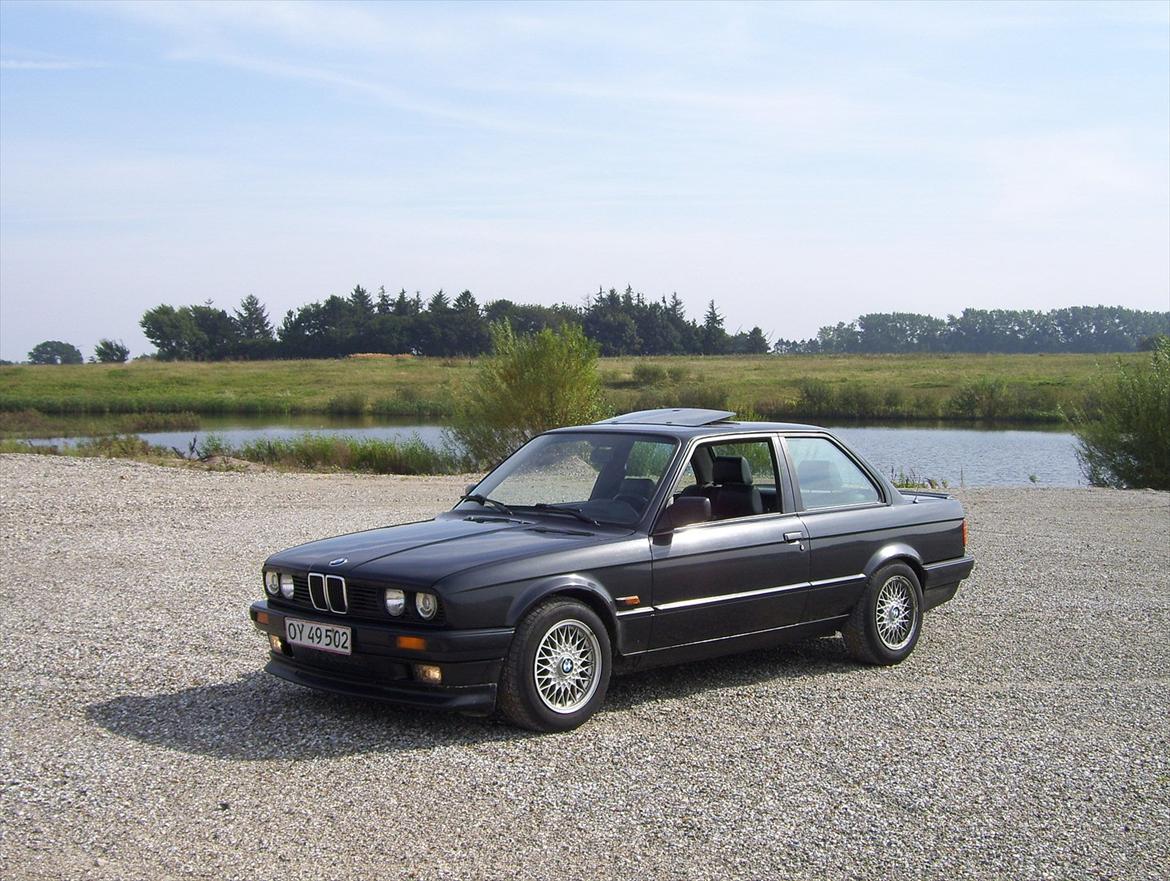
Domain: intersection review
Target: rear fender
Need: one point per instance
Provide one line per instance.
(896, 552)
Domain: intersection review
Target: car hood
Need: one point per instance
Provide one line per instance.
(426, 552)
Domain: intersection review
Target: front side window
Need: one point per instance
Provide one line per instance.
(738, 477)
(827, 477)
(604, 476)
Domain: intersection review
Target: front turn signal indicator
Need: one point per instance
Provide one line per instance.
(964, 533)
(411, 643)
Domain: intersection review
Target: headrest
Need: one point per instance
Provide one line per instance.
(816, 474)
(637, 486)
(732, 469)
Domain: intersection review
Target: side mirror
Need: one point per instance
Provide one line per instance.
(684, 511)
(469, 489)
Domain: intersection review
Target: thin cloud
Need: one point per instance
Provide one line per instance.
(21, 64)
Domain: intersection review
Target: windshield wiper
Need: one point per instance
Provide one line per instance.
(487, 503)
(564, 509)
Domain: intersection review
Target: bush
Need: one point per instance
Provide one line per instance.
(814, 396)
(1128, 445)
(983, 398)
(110, 352)
(528, 384)
(320, 452)
(648, 374)
(348, 404)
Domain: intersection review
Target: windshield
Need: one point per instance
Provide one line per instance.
(600, 476)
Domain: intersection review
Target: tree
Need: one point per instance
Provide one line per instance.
(362, 303)
(252, 320)
(528, 384)
(110, 352)
(217, 338)
(756, 343)
(404, 306)
(171, 330)
(1128, 445)
(438, 303)
(253, 330)
(55, 352)
(714, 336)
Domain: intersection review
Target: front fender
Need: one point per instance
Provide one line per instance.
(586, 589)
(894, 551)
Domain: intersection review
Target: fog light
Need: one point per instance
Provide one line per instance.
(276, 642)
(428, 673)
(287, 588)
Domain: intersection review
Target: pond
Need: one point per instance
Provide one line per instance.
(949, 455)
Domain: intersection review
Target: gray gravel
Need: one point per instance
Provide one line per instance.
(1027, 736)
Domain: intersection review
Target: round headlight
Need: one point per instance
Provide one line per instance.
(287, 588)
(427, 605)
(272, 582)
(395, 601)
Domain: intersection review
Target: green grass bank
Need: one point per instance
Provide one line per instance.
(1007, 388)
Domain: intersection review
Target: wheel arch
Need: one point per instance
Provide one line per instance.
(897, 552)
(579, 588)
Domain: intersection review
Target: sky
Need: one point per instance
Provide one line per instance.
(799, 163)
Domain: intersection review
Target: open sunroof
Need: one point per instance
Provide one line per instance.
(672, 416)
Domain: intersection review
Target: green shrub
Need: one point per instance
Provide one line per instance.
(983, 398)
(1128, 444)
(317, 452)
(704, 397)
(528, 384)
(118, 446)
(348, 404)
(814, 396)
(858, 401)
(649, 374)
(678, 374)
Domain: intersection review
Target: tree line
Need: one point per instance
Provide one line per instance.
(621, 323)
(1073, 329)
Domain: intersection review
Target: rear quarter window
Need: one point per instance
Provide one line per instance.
(827, 477)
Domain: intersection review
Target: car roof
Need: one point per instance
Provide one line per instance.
(686, 422)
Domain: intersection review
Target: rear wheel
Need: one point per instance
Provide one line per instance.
(885, 623)
(557, 669)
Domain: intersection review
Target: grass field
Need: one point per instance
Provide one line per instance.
(1019, 388)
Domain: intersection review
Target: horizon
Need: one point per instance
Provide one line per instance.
(800, 164)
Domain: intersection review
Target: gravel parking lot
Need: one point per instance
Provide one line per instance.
(1027, 737)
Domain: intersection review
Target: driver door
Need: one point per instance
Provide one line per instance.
(744, 571)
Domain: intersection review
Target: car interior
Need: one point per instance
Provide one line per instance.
(723, 474)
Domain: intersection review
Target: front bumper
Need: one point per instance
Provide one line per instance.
(471, 661)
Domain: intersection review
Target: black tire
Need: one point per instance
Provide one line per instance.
(529, 704)
(877, 636)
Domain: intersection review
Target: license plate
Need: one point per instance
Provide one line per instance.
(324, 637)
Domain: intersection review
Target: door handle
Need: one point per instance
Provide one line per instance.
(794, 536)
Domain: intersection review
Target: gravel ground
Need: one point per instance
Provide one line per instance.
(1027, 737)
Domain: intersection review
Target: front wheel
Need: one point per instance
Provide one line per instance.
(557, 669)
(885, 623)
